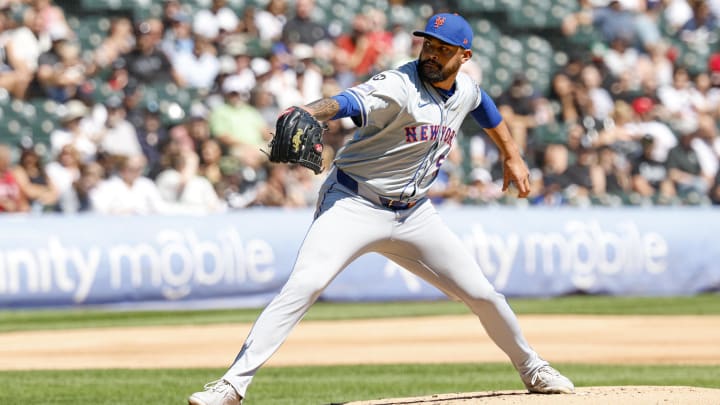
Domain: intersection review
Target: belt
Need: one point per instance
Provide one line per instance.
(352, 184)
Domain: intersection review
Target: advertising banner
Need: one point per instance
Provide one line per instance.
(242, 259)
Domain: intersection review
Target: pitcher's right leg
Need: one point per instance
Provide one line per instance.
(327, 249)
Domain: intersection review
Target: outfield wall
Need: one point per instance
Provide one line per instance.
(242, 259)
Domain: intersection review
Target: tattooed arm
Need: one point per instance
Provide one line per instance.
(323, 109)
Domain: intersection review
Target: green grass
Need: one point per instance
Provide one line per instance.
(705, 304)
(318, 385)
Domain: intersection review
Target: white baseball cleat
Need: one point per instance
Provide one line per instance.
(218, 392)
(547, 380)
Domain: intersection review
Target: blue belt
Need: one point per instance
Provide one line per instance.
(352, 185)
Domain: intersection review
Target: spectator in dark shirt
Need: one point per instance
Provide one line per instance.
(649, 177)
(60, 69)
(698, 28)
(35, 185)
(684, 168)
(302, 28)
(152, 136)
(615, 179)
(147, 63)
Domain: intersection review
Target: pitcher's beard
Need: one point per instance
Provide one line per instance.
(430, 71)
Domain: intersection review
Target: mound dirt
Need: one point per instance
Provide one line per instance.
(627, 395)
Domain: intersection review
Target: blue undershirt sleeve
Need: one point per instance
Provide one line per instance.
(349, 106)
(487, 114)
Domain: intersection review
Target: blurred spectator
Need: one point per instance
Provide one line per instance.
(271, 20)
(236, 47)
(75, 130)
(587, 178)
(706, 145)
(554, 174)
(449, 187)
(11, 197)
(482, 190)
(210, 166)
(646, 123)
(178, 37)
(91, 174)
(130, 193)
(309, 77)
(622, 58)
(64, 171)
(238, 125)
(342, 71)
(681, 99)
(170, 9)
(198, 126)
(52, 16)
(649, 176)
(277, 190)
(262, 99)
(616, 180)
(135, 104)
(365, 44)
(684, 166)
(301, 27)
(698, 28)
(602, 103)
(281, 81)
(23, 46)
(118, 137)
(197, 69)
(517, 105)
(15, 74)
(676, 13)
(610, 21)
(713, 94)
(35, 185)
(181, 184)
(120, 40)
(152, 135)
(647, 25)
(147, 63)
(246, 25)
(60, 70)
(563, 93)
(216, 22)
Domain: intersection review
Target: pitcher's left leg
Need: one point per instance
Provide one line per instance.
(443, 260)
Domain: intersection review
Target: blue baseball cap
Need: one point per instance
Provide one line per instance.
(449, 28)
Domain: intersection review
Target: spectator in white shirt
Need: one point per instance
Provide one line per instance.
(119, 135)
(198, 68)
(130, 193)
(181, 183)
(75, 129)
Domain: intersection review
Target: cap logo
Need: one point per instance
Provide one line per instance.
(439, 21)
(465, 41)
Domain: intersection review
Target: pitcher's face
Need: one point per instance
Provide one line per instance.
(439, 61)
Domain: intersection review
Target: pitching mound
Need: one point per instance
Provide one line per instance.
(584, 395)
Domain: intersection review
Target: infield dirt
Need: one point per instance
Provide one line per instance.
(441, 339)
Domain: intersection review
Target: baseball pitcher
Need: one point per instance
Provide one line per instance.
(407, 119)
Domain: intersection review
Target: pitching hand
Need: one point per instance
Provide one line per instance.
(515, 170)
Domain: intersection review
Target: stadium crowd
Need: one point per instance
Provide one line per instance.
(623, 122)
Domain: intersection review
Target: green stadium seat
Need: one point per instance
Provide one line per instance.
(479, 6)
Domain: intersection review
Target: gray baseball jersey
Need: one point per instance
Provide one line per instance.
(406, 130)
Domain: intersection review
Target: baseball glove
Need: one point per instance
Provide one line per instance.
(298, 139)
